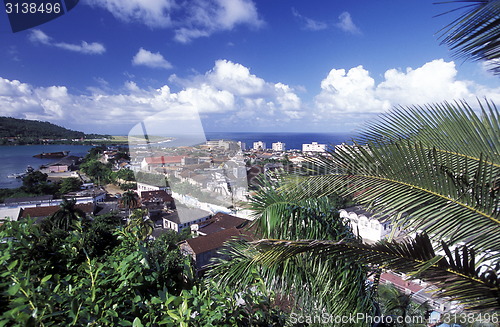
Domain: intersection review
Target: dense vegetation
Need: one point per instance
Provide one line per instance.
(23, 131)
(98, 273)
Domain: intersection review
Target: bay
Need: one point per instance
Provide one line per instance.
(15, 159)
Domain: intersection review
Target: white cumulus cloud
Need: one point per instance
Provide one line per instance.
(147, 58)
(356, 92)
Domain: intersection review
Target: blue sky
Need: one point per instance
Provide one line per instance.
(241, 65)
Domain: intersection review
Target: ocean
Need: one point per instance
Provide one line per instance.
(15, 159)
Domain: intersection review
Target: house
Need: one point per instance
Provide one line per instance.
(151, 163)
(203, 248)
(314, 147)
(39, 213)
(365, 224)
(279, 146)
(143, 187)
(184, 217)
(156, 201)
(11, 214)
(259, 145)
(68, 163)
(220, 221)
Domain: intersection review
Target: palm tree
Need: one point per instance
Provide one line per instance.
(129, 200)
(474, 34)
(67, 215)
(440, 165)
(316, 284)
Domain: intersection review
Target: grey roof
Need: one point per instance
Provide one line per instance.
(185, 215)
(28, 199)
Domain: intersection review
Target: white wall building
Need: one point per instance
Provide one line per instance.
(371, 229)
(314, 147)
(279, 146)
(259, 145)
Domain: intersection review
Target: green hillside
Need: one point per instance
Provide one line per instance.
(34, 130)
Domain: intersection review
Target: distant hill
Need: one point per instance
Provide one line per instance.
(34, 129)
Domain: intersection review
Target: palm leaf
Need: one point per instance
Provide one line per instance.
(442, 190)
(456, 276)
(315, 283)
(474, 34)
(442, 193)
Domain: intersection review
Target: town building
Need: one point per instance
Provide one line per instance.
(184, 217)
(314, 147)
(372, 228)
(259, 145)
(39, 213)
(151, 163)
(144, 187)
(279, 146)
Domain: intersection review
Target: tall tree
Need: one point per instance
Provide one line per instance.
(67, 215)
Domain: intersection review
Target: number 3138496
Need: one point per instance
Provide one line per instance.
(32, 8)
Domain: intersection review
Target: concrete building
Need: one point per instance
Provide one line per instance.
(279, 146)
(363, 223)
(259, 145)
(184, 217)
(314, 147)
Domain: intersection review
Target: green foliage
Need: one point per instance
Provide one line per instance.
(98, 171)
(31, 131)
(37, 183)
(151, 179)
(396, 303)
(61, 279)
(70, 184)
(124, 174)
(474, 34)
(317, 283)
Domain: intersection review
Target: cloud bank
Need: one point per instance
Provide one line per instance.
(229, 96)
(193, 19)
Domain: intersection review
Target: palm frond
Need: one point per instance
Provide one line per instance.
(315, 283)
(475, 33)
(445, 194)
(456, 275)
(452, 127)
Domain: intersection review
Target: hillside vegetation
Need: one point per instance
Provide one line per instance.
(31, 130)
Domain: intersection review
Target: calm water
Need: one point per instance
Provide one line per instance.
(292, 140)
(15, 159)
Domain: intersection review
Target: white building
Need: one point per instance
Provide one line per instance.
(364, 224)
(314, 147)
(144, 187)
(279, 146)
(259, 145)
(184, 217)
